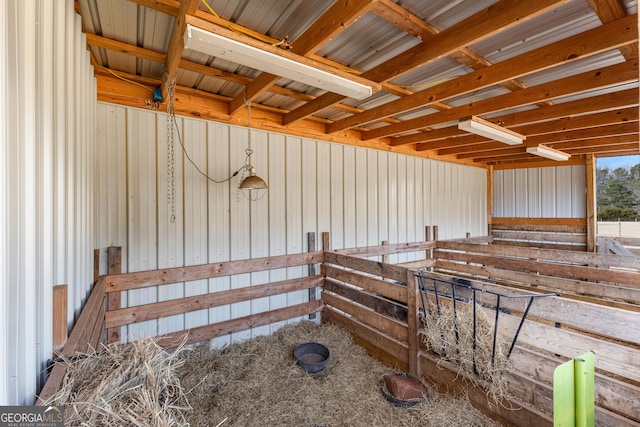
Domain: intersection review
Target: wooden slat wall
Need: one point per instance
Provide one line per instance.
(551, 233)
(377, 302)
(598, 311)
(594, 315)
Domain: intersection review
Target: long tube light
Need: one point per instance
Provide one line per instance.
(549, 153)
(231, 50)
(490, 130)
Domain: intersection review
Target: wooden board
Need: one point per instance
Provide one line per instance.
(208, 332)
(197, 272)
(145, 312)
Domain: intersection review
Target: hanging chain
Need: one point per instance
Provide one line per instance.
(171, 160)
(248, 151)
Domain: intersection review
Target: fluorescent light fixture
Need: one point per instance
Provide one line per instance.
(548, 152)
(490, 130)
(278, 64)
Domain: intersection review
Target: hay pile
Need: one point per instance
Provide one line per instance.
(125, 384)
(257, 383)
(440, 337)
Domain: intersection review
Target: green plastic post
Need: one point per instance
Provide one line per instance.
(573, 393)
(585, 390)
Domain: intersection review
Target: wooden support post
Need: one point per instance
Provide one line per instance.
(326, 245)
(413, 322)
(60, 320)
(114, 255)
(427, 237)
(591, 202)
(489, 199)
(385, 257)
(312, 270)
(96, 265)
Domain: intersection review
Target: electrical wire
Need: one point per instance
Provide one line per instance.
(186, 154)
(127, 80)
(241, 30)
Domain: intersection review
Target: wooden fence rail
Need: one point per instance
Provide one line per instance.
(380, 303)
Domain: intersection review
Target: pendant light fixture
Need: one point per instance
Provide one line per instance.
(252, 184)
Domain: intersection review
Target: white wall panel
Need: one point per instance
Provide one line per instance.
(361, 223)
(277, 218)
(540, 192)
(5, 316)
(47, 104)
(142, 217)
(360, 196)
(373, 203)
(219, 198)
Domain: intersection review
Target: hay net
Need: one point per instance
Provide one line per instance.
(470, 326)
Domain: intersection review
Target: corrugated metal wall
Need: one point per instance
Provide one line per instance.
(47, 105)
(540, 192)
(360, 196)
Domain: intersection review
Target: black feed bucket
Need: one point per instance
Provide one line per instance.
(311, 356)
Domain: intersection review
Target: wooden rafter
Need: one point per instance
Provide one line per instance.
(341, 14)
(605, 122)
(608, 76)
(176, 45)
(481, 25)
(592, 42)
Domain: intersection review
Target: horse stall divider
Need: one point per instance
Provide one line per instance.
(378, 303)
(114, 266)
(87, 334)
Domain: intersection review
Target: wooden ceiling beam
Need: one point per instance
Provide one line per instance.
(329, 25)
(565, 111)
(169, 7)
(591, 42)
(569, 128)
(609, 76)
(550, 139)
(489, 21)
(126, 48)
(584, 146)
(610, 10)
(474, 143)
(629, 147)
(176, 44)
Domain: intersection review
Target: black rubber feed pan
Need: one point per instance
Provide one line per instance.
(311, 356)
(403, 390)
